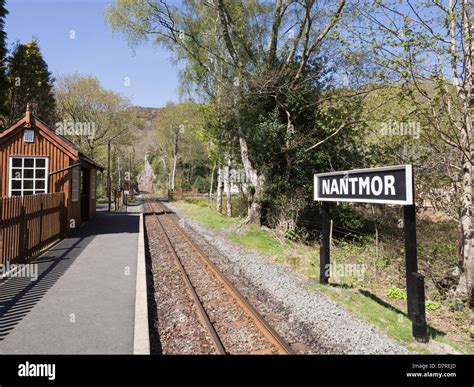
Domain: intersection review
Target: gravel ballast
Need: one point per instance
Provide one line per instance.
(307, 318)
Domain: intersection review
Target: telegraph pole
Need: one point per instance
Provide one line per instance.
(109, 179)
(130, 176)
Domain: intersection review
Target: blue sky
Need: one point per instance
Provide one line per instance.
(95, 49)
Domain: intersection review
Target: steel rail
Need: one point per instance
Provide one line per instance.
(201, 311)
(270, 334)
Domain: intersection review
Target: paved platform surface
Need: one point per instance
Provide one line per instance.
(84, 298)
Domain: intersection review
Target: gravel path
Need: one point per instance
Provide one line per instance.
(311, 321)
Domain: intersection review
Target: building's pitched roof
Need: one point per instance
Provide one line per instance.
(30, 120)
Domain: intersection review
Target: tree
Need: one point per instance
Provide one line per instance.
(180, 148)
(30, 82)
(254, 45)
(91, 116)
(425, 50)
(3, 57)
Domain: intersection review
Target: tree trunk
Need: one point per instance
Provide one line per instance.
(228, 187)
(220, 189)
(256, 181)
(175, 161)
(467, 260)
(469, 257)
(466, 283)
(173, 174)
(255, 208)
(212, 182)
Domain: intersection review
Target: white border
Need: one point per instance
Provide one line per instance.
(10, 167)
(408, 183)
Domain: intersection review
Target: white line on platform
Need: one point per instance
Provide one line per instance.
(141, 338)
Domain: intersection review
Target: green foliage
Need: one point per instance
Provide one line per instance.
(396, 293)
(270, 105)
(180, 138)
(82, 99)
(200, 202)
(282, 154)
(202, 184)
(299, 234)
(30, 82)
(432, 305)
(348, 219)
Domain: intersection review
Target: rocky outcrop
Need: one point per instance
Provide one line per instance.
(146, 178)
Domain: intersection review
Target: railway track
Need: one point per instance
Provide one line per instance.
(233, 324)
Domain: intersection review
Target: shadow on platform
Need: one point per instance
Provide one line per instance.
(18, 295)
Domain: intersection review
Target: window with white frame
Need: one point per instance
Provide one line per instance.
(75, 185)
(28, 175)
(93, 178)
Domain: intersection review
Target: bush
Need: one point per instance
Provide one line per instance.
(297, 235)
(471, 331)
(396, 293)
(432, 305)
(202, 184)
(201, 202)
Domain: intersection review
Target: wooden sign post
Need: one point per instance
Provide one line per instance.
(324, 251)
(387, 185)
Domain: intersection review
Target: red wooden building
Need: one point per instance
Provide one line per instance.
(36, 160)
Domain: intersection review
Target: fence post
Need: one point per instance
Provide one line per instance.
(1, 230)
(41, 224)
(62, 216)
(22, 236)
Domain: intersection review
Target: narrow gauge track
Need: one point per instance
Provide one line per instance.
(234, 325)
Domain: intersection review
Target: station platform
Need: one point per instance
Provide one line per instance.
(83, 300)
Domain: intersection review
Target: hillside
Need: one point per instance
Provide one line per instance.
(145, 139)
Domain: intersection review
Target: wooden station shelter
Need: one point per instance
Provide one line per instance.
(36, 160)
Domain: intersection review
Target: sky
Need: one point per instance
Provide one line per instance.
(95, 50)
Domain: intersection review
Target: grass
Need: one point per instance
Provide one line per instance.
(259, 240)
(206, 217)
(365, 300)
(102, 200)
(175, 270)
(388, 318)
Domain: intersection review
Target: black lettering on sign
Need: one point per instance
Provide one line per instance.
(390, 185)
